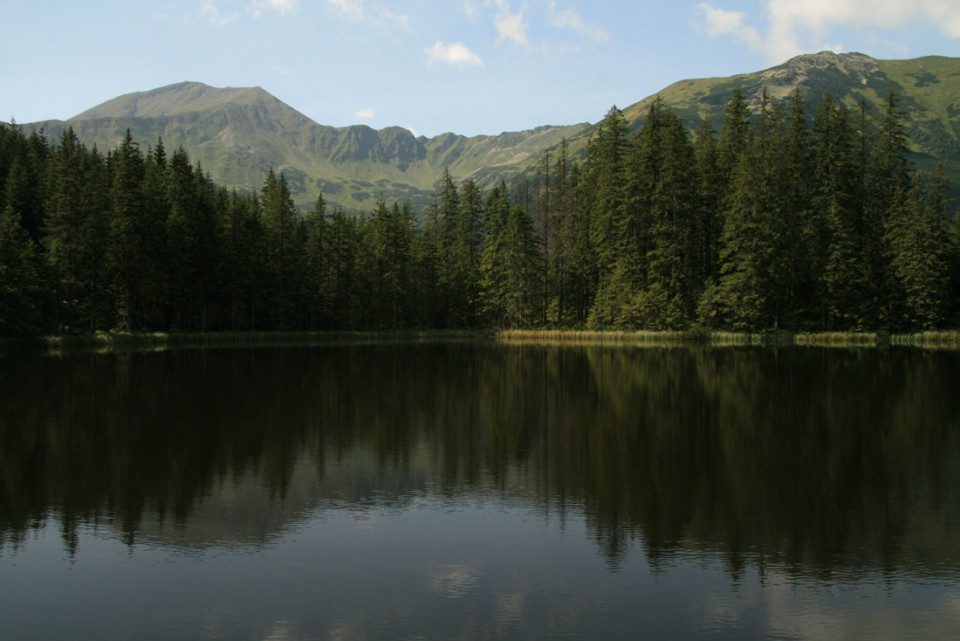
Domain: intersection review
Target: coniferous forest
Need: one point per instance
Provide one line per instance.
(777, 220)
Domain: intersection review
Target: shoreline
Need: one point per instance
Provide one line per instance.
(119, 341)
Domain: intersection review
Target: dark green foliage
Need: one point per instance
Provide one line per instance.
(916, 235)
(775, 222)
(23, 292)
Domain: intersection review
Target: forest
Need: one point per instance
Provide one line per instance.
(777, 220)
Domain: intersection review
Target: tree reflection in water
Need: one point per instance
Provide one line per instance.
(815, 462)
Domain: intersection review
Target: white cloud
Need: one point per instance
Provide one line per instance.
(283, 7)
(510, 26)
(571, 19)
(218, 15)
(472, 9)
(358, 11)
(398, 20)
(456, 54)
(799, 27)
(366, 114)
(352, 9)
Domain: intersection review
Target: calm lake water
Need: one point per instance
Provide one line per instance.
(470, 491)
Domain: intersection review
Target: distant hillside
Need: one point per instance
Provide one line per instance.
(929, 90)
(238, 134)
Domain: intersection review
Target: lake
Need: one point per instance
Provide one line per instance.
(480, 491)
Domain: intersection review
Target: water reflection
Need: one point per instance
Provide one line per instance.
(796, 463)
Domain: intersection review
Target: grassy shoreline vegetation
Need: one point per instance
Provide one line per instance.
(106, 342)
(930, 340)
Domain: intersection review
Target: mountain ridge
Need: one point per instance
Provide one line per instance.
(239, 133)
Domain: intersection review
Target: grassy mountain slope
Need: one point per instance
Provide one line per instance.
(238, 134)
(929, 90)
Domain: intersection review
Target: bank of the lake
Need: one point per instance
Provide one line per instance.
(936, 340)
(109, 341)
(115, 340)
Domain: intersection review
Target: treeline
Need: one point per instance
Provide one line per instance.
(772, 222)
(141, 241)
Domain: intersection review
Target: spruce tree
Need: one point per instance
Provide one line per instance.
(23, 287)
(285, 252)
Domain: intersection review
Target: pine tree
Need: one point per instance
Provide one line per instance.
(604, 194)
(75, 236)
(342, 254)
(796, 295)
(317, 281)
(917, 239)
(285, 252)
(747, 287)
(709, 191)
(242, 263)
(838, 203)
(390, 243)
(674, 279)
(127, 259)
(23, 291)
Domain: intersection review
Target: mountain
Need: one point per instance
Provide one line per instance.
(928, 90)
(238, 134)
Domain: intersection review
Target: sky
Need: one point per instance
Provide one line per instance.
(432, 66)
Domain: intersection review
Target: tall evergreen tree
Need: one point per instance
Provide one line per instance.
(917, 238)
(75, 236)
(285, 252)
(23, 287)
(673, 280)
(838, 201)
(603, 184)
(743, 296)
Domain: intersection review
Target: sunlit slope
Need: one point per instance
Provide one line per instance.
(928, 90)
(238, 134)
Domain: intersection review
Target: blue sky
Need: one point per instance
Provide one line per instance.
(468, 66)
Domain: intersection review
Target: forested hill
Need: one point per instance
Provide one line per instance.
(239, 134)
(775, 220)
(928, 89)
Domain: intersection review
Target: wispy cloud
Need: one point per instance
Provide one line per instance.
(456, 54)
(283, 7)
(359, 11)
(571, 19)
(798, 27)
(224, 12)
(217, 16)
(368, 113)
(510, 25)
(535, 25)
(352, 9)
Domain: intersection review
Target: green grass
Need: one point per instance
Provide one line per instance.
(948, 339)
(930, 340)
(645, 338)
(839, 339)
(106, 342)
